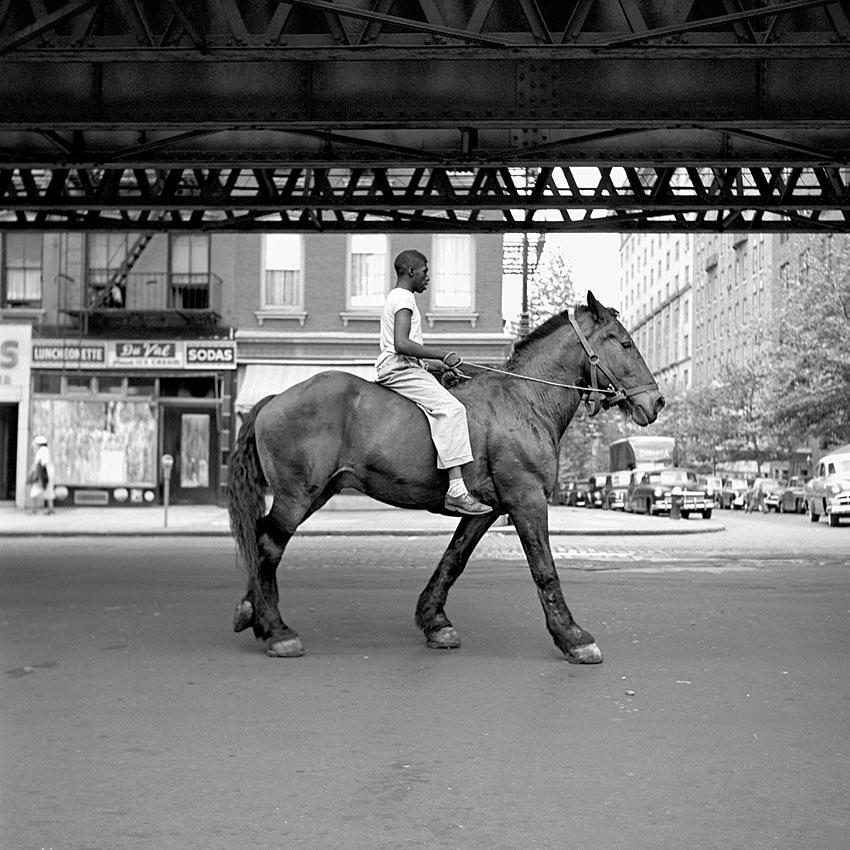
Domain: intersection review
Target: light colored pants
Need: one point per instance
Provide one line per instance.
(446, 415)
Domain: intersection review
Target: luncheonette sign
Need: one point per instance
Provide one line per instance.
(60, 353)
(135, 354)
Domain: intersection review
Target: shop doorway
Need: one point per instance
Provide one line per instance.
(190, 436)
(8, 449)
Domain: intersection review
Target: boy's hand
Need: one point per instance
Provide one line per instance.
(452, 377)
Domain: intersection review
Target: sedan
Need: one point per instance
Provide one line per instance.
(652, 492)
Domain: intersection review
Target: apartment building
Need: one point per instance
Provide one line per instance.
(735, 277)
(123, 348)
(696, 302)
(657, 300)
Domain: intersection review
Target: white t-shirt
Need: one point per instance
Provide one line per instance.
(398, 299)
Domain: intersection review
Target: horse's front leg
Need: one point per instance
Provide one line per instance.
(532, 525)
(430, 610)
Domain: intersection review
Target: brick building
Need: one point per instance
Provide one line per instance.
(122, 348)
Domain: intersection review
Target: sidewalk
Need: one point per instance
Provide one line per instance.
(343, 515)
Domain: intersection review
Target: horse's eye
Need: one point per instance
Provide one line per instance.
(627, 343)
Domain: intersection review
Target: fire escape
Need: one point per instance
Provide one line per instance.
(119, 300)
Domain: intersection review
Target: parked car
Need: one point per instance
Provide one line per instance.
(733, 493)
(572, 493)
(829, 491)
(597, 483)
(793, 497)
(765, 494)
(615, 489)
(651, 491)
(713, 487)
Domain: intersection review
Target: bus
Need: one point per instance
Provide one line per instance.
(642, 453)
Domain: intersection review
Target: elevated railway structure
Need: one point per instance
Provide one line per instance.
(484, 115)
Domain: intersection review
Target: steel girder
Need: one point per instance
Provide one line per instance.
(483, 199)
(254, 114)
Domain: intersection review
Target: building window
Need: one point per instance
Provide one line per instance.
(452, 272)
(190, 258)
(22, 270)
(283, 270)
(367, 270)
(190, 272)
(106, 254)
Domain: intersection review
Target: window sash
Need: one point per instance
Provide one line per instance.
(190, 255)
(282, 288)
(23, 284)
(23, 268)
(106, 252)
(367, 270)
(452, 272)
(283, 275)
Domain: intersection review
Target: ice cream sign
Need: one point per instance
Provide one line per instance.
(150, 354)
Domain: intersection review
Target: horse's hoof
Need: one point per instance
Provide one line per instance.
(590, 653)
(444, 638)
(243, 616)
(287, 648)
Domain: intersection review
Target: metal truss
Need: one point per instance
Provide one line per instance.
(427, 199)
(406, 114)
(96, 28)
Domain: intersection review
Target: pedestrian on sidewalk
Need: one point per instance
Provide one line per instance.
(401, 368)
(41, 477)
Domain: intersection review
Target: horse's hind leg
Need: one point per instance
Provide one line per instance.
(263, 613)
(430, 610)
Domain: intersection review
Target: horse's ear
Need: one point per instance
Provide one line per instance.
(597, 310)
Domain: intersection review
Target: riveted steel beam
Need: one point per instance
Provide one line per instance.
(492, 198)
(105, 104)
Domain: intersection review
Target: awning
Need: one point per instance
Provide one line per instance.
(262, 379)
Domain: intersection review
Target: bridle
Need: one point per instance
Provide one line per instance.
(595, 398)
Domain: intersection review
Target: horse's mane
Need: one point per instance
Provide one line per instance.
(548, 327)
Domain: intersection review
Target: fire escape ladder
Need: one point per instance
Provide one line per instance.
(119, 276)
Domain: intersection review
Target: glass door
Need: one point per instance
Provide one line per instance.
(191, 438)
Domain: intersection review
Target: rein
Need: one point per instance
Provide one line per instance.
(595, 398)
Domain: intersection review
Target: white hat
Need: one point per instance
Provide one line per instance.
(40, 440)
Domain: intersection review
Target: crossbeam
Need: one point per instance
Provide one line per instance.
(405, 114)
(498, 198)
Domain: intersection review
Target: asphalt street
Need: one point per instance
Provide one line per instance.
(132, 717)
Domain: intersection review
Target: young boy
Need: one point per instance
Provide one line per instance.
(400, 368)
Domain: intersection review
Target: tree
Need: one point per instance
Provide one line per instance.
(810, 389)
(746, 405)
(550, 287)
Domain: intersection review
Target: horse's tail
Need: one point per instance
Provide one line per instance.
(246, 488)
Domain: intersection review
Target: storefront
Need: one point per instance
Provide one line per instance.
(14, 410)
(112, 408)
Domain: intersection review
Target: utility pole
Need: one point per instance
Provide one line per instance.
(524, 319)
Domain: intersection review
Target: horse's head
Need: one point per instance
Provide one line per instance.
(619, 364)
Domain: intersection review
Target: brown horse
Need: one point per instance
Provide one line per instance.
(336, 430)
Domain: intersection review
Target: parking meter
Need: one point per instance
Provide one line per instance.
(167, 462)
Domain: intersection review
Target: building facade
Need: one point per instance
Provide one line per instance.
(736, 277)
(125, 349)
(694, 302)
(657, 299)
